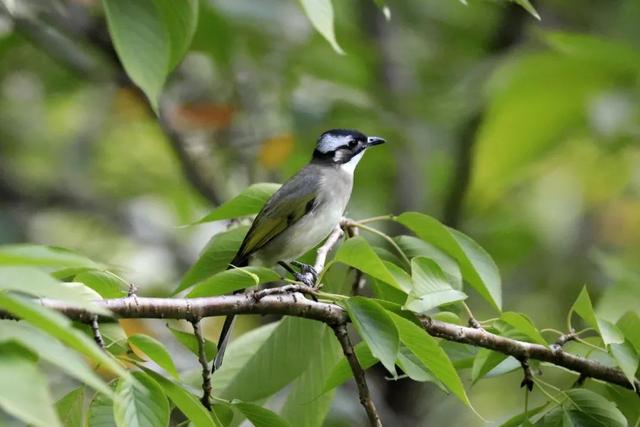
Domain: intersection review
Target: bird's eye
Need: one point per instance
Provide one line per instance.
(353, 143)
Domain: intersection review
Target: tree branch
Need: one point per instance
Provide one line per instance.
(97, 335)
(358, 374)
(295, 304)
(202, 358)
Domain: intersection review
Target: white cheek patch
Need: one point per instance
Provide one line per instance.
(350, 166)
(332, 142)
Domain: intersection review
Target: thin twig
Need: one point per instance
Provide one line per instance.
(527, 380)
(97, 336)
(358, 373)
(202, 358)
(303, 289)
(385, 237)
(472, 320)
(565, 338)
(323, 251)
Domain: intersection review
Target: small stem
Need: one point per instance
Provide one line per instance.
(539, 383)
(565, 338)
(375, 219)
(386, 237)
(472, 320)
(97, 336)
(202, 358)
(358, 373)
(588, 344)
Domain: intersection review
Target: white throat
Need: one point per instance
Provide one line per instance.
(350, 166)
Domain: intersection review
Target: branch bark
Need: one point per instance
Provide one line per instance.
(295, 304)
(202, 358)
(358, 374)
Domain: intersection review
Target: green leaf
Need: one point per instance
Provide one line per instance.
(583, 308)
(224, 413)
(376, 328)
(356, 252)
(524, 417)
(484, 362)
(414, 247)
(23, 389)
(425, 347)
(43, 256)
(101, 412)
(140, 403)
(526, 5)
(320, 13)
(180, 19)
(215, 257)
(71, 408)
(105, 283)
(228, 281)
(240, 352)
(525, 93)
(341, 371)
(191, 342)
(307, 403)
(49, 349)
(55, 324)
(35, 282)
(156, 352)
(523, 325)
(186, 402)
(629, 325)
(248, 202)
(150, 37)
(477, 267)
(430, 287)
(584, 408)
(608, 52)
(259, 416)
(414, 368)
(626, 358)
(258, 366)
(142, 43)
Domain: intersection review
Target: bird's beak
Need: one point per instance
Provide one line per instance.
(374, 140)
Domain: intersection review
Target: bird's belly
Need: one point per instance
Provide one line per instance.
(302, 236)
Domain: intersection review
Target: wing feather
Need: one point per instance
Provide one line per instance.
(295, 199)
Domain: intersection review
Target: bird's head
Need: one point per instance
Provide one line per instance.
(343, 147)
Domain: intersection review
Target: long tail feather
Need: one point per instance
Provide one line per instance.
(225, 333)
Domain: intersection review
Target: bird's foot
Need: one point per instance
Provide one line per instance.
(308, 275)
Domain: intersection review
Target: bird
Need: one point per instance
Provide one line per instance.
(302, 212)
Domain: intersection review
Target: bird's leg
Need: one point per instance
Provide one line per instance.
(287, 267)
(308, 276)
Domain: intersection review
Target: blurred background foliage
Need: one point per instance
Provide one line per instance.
(523, 133)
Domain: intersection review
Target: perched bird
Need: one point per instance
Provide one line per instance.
(303, 212)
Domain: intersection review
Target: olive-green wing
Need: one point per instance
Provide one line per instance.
(292, 201)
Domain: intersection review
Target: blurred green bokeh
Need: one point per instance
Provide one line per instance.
(548, 113)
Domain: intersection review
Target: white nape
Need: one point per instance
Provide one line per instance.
(350, 166)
